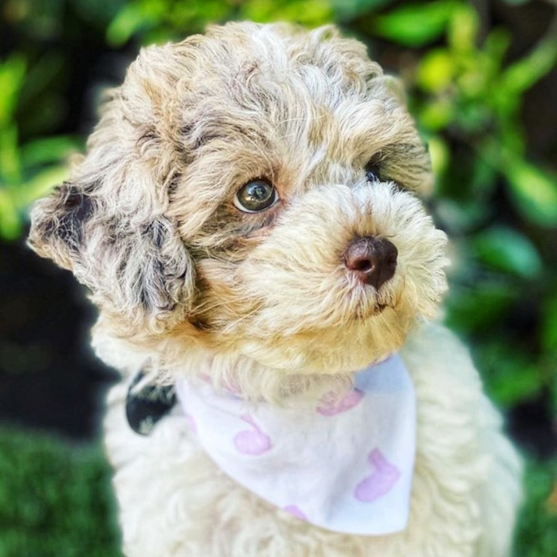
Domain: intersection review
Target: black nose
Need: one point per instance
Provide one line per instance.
(372, 259)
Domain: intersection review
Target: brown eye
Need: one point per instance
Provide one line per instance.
(256, 196)
(373, 173)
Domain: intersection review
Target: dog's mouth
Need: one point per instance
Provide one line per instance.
(362, 313)
(379, 304)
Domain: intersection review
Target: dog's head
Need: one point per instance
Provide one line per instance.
(255, 189)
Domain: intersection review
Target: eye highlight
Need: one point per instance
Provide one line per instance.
(255, 196)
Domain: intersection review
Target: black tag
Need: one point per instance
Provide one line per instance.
(146, 406)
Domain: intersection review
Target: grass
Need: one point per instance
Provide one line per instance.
(55, 501)
(537, 529)
(55, 498)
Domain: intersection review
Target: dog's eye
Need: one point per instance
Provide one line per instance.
(255, 196)
(373, 173)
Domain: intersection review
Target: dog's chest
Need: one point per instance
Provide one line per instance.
(345, 465)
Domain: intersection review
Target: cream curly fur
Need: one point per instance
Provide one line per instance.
(187, 284)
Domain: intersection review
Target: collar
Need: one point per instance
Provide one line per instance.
(345, 465)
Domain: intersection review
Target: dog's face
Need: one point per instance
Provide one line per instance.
(254, 189)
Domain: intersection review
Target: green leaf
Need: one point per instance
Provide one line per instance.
(437, 113)
(436, 70)
(478, 308)
(99, 13)
(52, 149)
(309, 12)
(12, 73)
(496, 46)
(440, 154)
(515, 384)
(511, 376)
(130, 19)
(346, 10)
(415, 24)
(39, 77)
(553, 387)
(41, 184)
(463, 28)
(483, 181)
(522, 75)
(534, 192)
(549, 325)
(10, 164)
(10, 223)
(537, 526)
(509, 251)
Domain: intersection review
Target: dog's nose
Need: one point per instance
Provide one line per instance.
(372, 259)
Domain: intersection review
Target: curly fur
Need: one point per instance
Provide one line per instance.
(188, 285)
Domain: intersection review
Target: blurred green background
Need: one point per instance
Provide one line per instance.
(482, 85)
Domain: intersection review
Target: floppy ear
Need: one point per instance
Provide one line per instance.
(413, 161)
(108, 224)
(139, 272)
(405, 160)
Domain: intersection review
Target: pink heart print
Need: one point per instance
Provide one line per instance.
(252, 442)
(332, 406)
(295, 511)
(380, 482)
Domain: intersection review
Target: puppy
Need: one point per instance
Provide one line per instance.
(247, 221)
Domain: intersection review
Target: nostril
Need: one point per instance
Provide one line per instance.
(361, 265)
(372, 260)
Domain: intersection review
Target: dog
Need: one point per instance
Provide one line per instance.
(247, 220)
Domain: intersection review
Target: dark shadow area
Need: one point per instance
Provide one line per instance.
(49, 377)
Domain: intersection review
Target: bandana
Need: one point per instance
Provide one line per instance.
(345, 465)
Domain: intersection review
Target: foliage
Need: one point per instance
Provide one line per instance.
(26, 171)
(467, 99)
(468, 84)
(537, 532)
(54, 499)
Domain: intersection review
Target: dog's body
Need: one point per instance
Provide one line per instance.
(245, 217)
(175, 502)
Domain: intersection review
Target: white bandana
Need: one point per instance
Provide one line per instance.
(345, 466)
